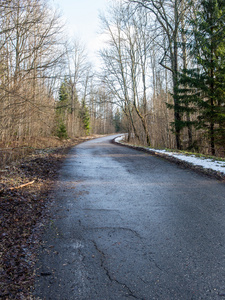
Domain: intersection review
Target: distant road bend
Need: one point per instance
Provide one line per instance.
(129, 225)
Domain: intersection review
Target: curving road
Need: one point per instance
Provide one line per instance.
(129, 225)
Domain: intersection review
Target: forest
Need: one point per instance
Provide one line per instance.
(161, 78)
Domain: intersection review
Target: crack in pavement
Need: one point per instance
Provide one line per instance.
(102, 255)
(155, 263)
(114, 229)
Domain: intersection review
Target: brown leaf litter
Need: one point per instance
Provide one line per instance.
(25, 188)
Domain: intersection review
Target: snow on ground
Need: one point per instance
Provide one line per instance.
(206, 163)
(119, 139)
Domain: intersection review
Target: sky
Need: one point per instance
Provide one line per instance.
(83, 23)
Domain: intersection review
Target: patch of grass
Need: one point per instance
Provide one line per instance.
(12, 151)
(203, 156)
(184, 152)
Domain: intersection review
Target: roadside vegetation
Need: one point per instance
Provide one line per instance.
(161, 80)
(25, 204)
(164, 62)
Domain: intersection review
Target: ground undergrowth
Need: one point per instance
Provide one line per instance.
(25, 188)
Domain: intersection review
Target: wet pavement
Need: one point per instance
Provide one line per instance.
(129, 225)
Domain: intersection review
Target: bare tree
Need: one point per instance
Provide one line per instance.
(170, 17)
(29, 54)
(78, 73)
(125, 60)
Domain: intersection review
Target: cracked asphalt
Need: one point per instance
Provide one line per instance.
(129, 225)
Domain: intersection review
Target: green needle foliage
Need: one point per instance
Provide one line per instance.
(202, 87)
(61, 110)
(85, 116)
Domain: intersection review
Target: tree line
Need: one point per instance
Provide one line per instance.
(164, 65)
(46, 82)
(162, 76)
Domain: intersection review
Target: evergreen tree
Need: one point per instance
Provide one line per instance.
(64, 97)
(85, 116)
(117, 121)
(61, 109)
(202, 89)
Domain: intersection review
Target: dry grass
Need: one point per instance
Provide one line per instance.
(14, 150)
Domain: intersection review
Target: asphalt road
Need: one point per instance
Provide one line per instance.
(129, 225)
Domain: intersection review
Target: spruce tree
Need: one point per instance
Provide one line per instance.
(64, 96)
(85, 116)
(62, 108)
(202, 89)
(117, 121)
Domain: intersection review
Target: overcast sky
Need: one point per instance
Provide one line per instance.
(83, 20)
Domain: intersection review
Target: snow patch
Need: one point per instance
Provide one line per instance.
(119, 138)
(206, 163)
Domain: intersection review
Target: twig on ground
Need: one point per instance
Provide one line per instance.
(21, 186)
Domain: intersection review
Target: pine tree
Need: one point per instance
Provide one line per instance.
(64, 96)
(117, 121)
(85, 116)
(61, 109)
(202, 89)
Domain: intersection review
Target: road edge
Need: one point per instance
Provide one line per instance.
(198, 169)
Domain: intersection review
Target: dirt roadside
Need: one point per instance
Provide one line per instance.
(25, 188)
